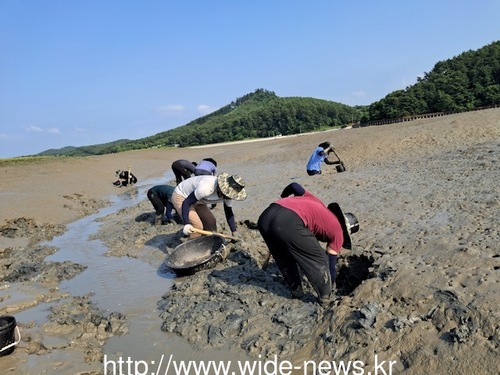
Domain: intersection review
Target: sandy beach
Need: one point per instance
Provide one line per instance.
(419, 288)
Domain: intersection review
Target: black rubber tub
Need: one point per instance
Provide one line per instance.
(7, 335)
(199, 254)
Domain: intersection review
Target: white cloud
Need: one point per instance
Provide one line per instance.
(170, 109)
(37, 129)
(204, 109)
(34, 129)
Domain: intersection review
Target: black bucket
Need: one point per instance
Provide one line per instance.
(340, 168)
(7, 336)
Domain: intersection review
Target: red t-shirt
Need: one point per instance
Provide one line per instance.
(317, 218)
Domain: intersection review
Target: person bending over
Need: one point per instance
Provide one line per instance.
(183, 169)
(160, 197)
(192, 197)
(206, 167)
(292, 228)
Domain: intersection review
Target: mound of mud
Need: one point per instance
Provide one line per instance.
(28, 265)
(27, 227)
(244, 302)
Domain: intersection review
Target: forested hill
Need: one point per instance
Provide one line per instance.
(466, 82)
(82, 151)
(255, 115)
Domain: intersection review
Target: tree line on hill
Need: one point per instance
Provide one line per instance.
(256, 115)
(466, 82)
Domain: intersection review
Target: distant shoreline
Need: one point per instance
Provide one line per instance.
(268, 138)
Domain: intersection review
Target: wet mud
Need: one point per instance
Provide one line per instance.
(419, 287)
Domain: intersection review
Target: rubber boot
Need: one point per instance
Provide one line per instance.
(298, 293)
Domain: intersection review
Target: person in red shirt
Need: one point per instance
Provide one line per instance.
(292, 228)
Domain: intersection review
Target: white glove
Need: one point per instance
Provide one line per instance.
(188, 229)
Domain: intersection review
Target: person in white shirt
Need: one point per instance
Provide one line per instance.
(192, 197)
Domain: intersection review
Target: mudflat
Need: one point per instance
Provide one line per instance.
(419, 288)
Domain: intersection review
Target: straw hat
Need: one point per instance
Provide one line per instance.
(232, 186)
(348, 222)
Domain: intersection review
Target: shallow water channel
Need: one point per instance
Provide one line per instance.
(119, 284)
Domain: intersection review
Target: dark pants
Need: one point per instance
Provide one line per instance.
(180, 174)
(292, 245)
(311, 172)
(156, 202)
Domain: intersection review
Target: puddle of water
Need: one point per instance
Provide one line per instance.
(22, 295)
(126, 285)
(36, 315)
(116, 284)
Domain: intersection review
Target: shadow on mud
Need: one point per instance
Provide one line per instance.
(354, 270)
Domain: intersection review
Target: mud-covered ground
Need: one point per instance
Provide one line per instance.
(420, 286)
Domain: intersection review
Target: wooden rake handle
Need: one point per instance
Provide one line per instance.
(208, 233)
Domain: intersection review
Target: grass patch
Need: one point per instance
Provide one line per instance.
(25, 160)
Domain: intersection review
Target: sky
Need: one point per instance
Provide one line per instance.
(84, 72)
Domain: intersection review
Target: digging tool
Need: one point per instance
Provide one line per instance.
(340, 167)
(208, 233)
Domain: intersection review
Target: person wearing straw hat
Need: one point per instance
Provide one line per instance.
(192, 197)
(292, 228)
